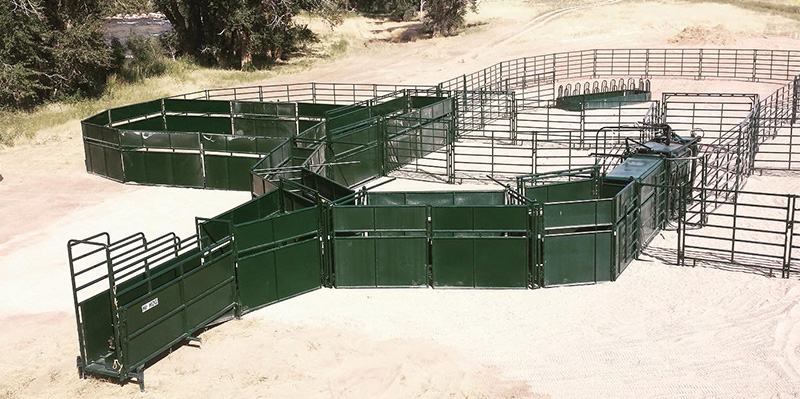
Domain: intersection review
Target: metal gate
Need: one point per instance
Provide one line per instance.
(278, 257)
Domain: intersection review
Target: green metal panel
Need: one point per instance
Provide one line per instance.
(134, 164)
(264, 127)
(500, 218)
(157, 140)
(567, 191)
(569, 259)
(100, 119)
(242, 144)
(367, 166)
(95, 160)
(154, 123)
(187, 170)
(401, 261)
(315, 110)
(257, 281)
(197, 106)
(603, 256)
(113, 163)
(354, 260)
(578, 213)
(216, 167)
(159, 168)
(204, 124)
(501, 262)
(185, 141)
(214, 142)
(97, 325)
(92, 131)
(298, 268)
(135, 110)
(401, 219)
(452, 218)
(453, 262)
(155, 327)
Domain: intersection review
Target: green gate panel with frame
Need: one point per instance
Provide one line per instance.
(278, 257)
(577, 258)
(501, 262)
(377, 246)
(453, 262)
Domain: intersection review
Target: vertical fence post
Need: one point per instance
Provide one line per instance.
(795, 95)
(791, 200)
(681, 255)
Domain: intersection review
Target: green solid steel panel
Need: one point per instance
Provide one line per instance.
(242, 144)
(97, 325)
(252, 234)
(157, 140)
(391, 106)
(401, 261)
(204, 310)
(256, 279)
(113, 160)
(214, 142)
(92, 131)
(150, 342)
(580, 213)
(635, 168)
(603, 256)
(568, 191)
(131, 139)
(367, 165)
(265, 145)
(304, 125)
(197, 106)
(204, 124)
(479, 198)
(608, 99)
(501, 262)
(216, 168)
(569, 259)
(453, 262)
(261, 108)
(315, 110)
(134, 164)
(419, 102)
(185, 141)
(100, 119)
(138, 317)
(135, 110)
(386, 198)
(264, 127)
(354, 262)
(296, 224)
(500, 218)
(212, 273)
(451, 218)
(96, 161)
(110, 135)
(298, 268)
(401, 218)
(429, 198)
(154, 123)
(353, 218)
(159, 168)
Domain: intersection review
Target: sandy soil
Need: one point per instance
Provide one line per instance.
(660, 331)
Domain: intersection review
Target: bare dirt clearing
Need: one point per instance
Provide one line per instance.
(660, 331)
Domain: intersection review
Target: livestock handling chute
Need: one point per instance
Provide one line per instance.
(293, 239)
(604, 173)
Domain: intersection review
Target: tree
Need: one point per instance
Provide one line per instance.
(444, 17)
(236, 33)
(50, 50)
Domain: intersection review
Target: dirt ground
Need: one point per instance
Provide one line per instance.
(660, 331)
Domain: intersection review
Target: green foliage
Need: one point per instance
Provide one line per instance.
(146, 58)
(236, 33)
(445, 17)
(50, 50)
(404, 10)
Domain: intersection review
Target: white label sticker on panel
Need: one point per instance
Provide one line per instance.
(149, 305)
